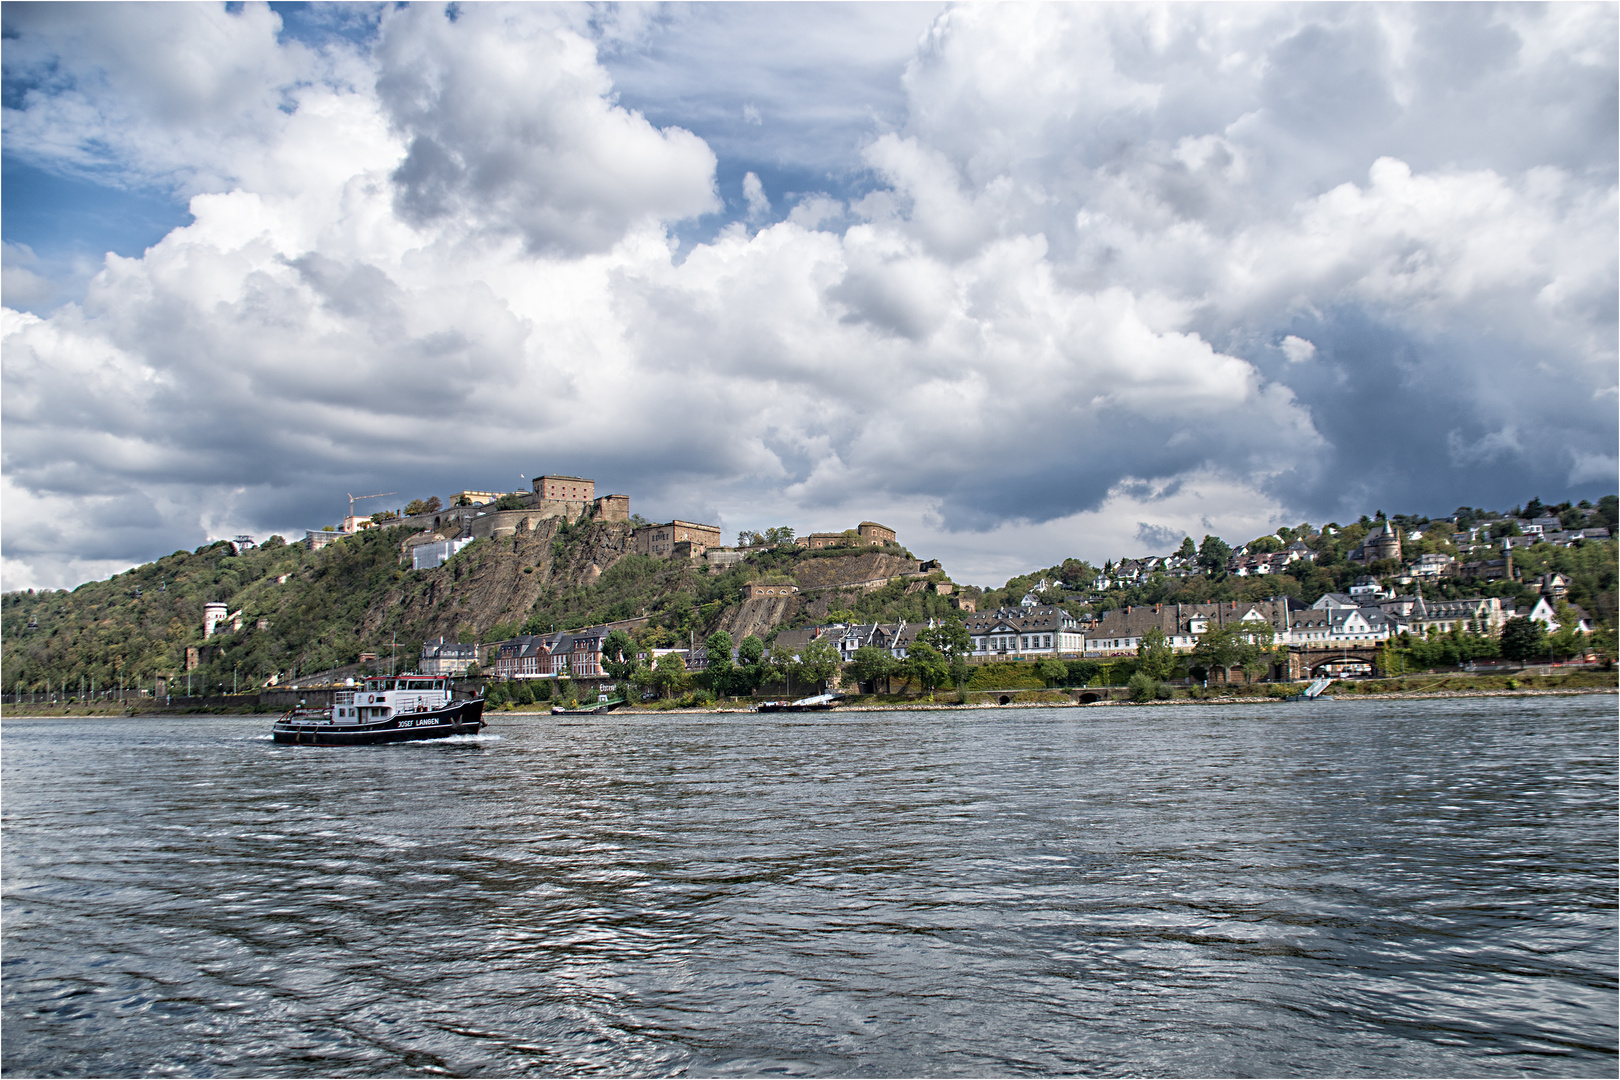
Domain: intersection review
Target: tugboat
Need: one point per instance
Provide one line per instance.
(384, 709)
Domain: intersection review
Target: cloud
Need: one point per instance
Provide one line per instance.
(1157, 538)
(1297, 349)
(21, 287)
(171, 93)
(510, 129)
(1113, 275)
(754, 195)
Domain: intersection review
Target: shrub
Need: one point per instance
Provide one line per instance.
(1005, 676)
(1143, 686)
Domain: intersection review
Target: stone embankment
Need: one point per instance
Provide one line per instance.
(952, 706)
(867, 572)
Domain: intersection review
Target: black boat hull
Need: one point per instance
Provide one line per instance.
(460, 718)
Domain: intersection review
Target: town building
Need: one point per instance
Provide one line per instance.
(1122, 630)
(217, 617)
(1034, 632)
(893, 638)
(572, 653)
(1480, 614)
(444, 657)
(1433, 564)
(1554, 586)
(1546, 612)
(1383, 542)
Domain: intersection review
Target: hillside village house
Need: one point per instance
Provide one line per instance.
(893, 638)
(1120, 631)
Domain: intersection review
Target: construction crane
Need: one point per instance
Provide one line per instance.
(361, 498)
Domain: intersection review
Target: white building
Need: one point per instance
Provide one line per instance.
(428, 556)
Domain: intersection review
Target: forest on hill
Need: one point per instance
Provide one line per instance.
(304, 611)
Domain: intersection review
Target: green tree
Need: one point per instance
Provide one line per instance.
(819, 661)
(950, 637)
(721, 673)
(1568, 639)
(1213, 554)
(1602, 642)
(927, 665)
(750, 670)
(1522, 638)
(1052, 672)
(1188, 549)
(870, 663)
(1216, 650)
(782, 663)
(1081, 672)
(618, 654)
(1155, 656)
(669, 674)
(1242, 645)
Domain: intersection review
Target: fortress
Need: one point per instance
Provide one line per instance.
(473, 515)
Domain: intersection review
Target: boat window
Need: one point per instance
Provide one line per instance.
(421, 684)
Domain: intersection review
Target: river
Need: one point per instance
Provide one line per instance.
(1338, 888)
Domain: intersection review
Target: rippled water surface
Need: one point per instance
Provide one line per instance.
(1350, 888)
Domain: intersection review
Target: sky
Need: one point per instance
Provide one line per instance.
(1023, 282)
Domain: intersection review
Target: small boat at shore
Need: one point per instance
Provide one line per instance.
(1313, 692)
(384, 709)
(605, 705)
(818, 703)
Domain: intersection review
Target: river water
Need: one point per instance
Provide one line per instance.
(1343, 888)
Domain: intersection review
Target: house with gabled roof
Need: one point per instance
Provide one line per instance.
(1120, 631)
(1024, 633)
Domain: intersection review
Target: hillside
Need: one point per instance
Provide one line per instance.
(307, 611)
